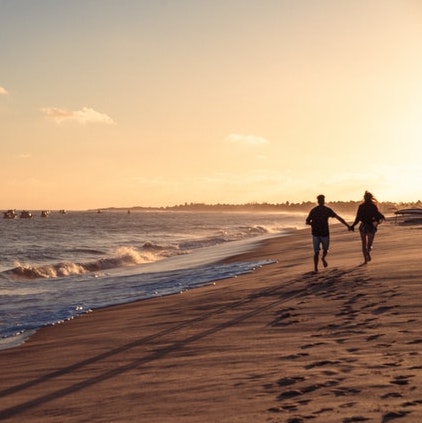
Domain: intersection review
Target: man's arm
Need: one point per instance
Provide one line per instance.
(340, 219)
(309, 218)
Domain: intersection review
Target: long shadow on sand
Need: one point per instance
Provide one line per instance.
(282, 293)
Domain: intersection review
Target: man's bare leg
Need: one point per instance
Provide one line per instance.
(316, 258)
(324, 262)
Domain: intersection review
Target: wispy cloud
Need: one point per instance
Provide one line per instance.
(3, 90)
(83, 116)
(246, 139)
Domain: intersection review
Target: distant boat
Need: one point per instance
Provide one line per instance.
(10, 214)
(25, 214)
(62, 211)
(409, 216)
(45, 213)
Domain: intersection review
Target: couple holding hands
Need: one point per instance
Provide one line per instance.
(367, 213)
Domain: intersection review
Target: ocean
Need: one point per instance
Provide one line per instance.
(57, 267)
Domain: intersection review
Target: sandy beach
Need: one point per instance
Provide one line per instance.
(281, 344)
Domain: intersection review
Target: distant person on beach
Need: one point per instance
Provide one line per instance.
(370, 217)
(318, 219)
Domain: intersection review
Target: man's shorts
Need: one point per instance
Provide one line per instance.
(320, 240)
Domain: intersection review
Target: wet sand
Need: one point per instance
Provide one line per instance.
(281, 344)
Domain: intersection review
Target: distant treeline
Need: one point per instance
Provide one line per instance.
(305, 206)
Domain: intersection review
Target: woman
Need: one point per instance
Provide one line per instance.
(370, 217)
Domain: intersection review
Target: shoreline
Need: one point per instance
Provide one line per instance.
(201, 258)
(276, 344)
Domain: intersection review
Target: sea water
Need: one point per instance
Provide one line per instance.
(57, 267)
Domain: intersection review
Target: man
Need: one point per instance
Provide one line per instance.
(318, 219)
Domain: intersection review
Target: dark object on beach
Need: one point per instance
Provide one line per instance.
(408, 216)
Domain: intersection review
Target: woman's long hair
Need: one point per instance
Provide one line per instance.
(369, 198)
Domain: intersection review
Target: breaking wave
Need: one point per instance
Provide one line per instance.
(123, 256)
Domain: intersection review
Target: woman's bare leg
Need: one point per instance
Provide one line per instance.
(369, 246)
(364, 247)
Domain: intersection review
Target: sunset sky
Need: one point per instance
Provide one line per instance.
(153, 103)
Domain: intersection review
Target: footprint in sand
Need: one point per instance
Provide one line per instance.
(392, 364)
(284, 408)
(411, 403)
(295, 420)
(370, 305)
(286, 381)
(293, 393)
(307, 346)
(289, 394)
(348, 405)
(321, 363)
(392, 395)
(354, 419)
(401, 380)
(294, 356)
(382, 309)
(393, 415)
(354, 299)
(414, 342)
(385, 345)
(374, 337)
(415, 367)
(331, 373)
(285, 318)
(323, 410)
(344, 391)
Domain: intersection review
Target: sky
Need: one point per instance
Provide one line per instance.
(155, 103)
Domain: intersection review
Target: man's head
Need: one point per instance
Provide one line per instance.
(321, 199)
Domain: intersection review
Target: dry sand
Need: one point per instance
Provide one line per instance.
(278, 345)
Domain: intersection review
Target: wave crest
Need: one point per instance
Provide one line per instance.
(27, 271)
(129, 256)
(122, 257)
